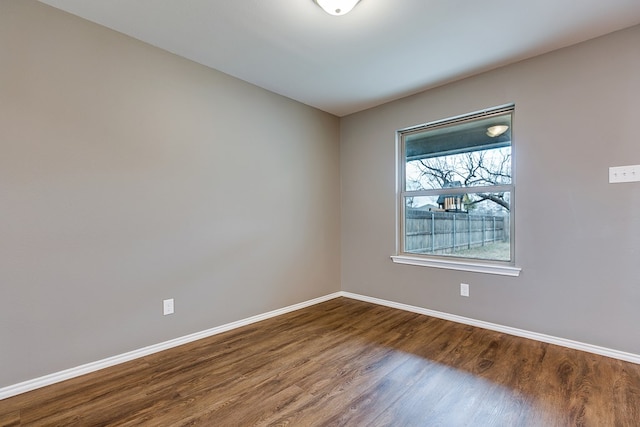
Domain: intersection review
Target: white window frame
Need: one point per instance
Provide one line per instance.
(507, 268)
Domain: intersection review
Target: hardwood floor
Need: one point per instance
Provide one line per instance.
(346, 363)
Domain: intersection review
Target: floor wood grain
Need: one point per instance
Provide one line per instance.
(346, 363)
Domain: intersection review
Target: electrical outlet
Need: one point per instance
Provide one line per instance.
(167, 306)
(464, 289)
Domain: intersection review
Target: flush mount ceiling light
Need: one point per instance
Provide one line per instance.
(337, 7)
(496, 130)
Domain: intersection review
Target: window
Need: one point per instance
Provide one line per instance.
(456, 193)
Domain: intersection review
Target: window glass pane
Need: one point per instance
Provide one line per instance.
(474, 153)
(472, 225)
(477, 168)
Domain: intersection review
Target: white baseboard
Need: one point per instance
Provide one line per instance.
(576, 345)
(23, 387)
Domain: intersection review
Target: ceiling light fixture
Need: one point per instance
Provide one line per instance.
(496, 130)
(337, 7)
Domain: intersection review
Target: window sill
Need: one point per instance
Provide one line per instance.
(503, 270)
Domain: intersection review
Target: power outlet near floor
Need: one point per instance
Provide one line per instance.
(167, 306)
(464, 289)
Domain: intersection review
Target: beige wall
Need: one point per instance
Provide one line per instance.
(129, 175)
(577, 237)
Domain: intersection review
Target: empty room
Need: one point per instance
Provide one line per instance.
(319, 213)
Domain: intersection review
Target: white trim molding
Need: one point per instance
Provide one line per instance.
(563, 342)
(503, 270)
(23, 387)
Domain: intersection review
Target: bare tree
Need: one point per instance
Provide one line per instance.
(471, 169)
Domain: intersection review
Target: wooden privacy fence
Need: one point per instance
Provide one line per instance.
(445, 232)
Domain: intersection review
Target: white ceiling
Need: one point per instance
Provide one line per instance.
(382, 50)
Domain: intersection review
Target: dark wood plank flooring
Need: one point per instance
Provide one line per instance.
(346, 363)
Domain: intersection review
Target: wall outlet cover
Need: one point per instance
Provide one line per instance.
(464, 289)
(167, 306)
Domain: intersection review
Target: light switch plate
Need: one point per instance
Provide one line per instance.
(624, 174)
